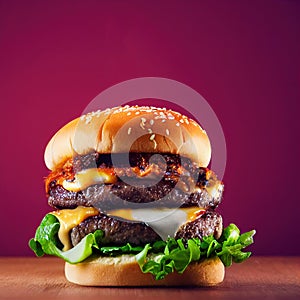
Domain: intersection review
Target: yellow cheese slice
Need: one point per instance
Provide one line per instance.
(69, 218)
(88, 177)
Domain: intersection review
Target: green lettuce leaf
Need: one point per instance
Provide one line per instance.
(46, 242)
(176, 255)
(232, 244)
(117, 250)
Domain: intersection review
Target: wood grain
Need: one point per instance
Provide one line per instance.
(257, 278)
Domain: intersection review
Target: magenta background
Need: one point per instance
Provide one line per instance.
(242, 56)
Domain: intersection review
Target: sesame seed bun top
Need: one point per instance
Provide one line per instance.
(129, 129)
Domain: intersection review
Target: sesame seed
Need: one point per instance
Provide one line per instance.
(162, 116)
(152, 137)
(170, 117)
(177, 124)
(155, 144)
(150, 130)
(137, 112)
(163, 120)
(129, 113)
(88, 119)
(167, 132)
(82, 117)
(187, 121)
(142, 124)
(151, 122)
(129, 130)
(181, 121)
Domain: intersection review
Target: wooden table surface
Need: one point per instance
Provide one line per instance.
(257, 278)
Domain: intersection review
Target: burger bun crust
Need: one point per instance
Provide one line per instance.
(125, 271)
(129, 129)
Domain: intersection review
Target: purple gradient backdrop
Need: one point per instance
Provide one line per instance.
(242, 56)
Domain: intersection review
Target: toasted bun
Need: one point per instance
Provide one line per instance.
(124, 271)
(129, 128)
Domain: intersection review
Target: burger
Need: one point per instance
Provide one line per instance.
(134, 202)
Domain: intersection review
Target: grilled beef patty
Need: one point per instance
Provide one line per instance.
(182, 183)
(122, 195)
(208, 224)
(119, 232)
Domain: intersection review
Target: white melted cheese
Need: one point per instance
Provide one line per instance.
(164, 221)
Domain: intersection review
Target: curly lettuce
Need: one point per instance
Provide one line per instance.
(175, 255)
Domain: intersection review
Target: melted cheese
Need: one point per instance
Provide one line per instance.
(69, 218)
(88, 177)
(85, 178)
(164, 221)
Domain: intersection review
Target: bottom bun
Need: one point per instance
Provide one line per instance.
(125, 271)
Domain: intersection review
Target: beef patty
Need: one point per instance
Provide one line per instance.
(120, 232)
(122, 195)
(182, 183)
